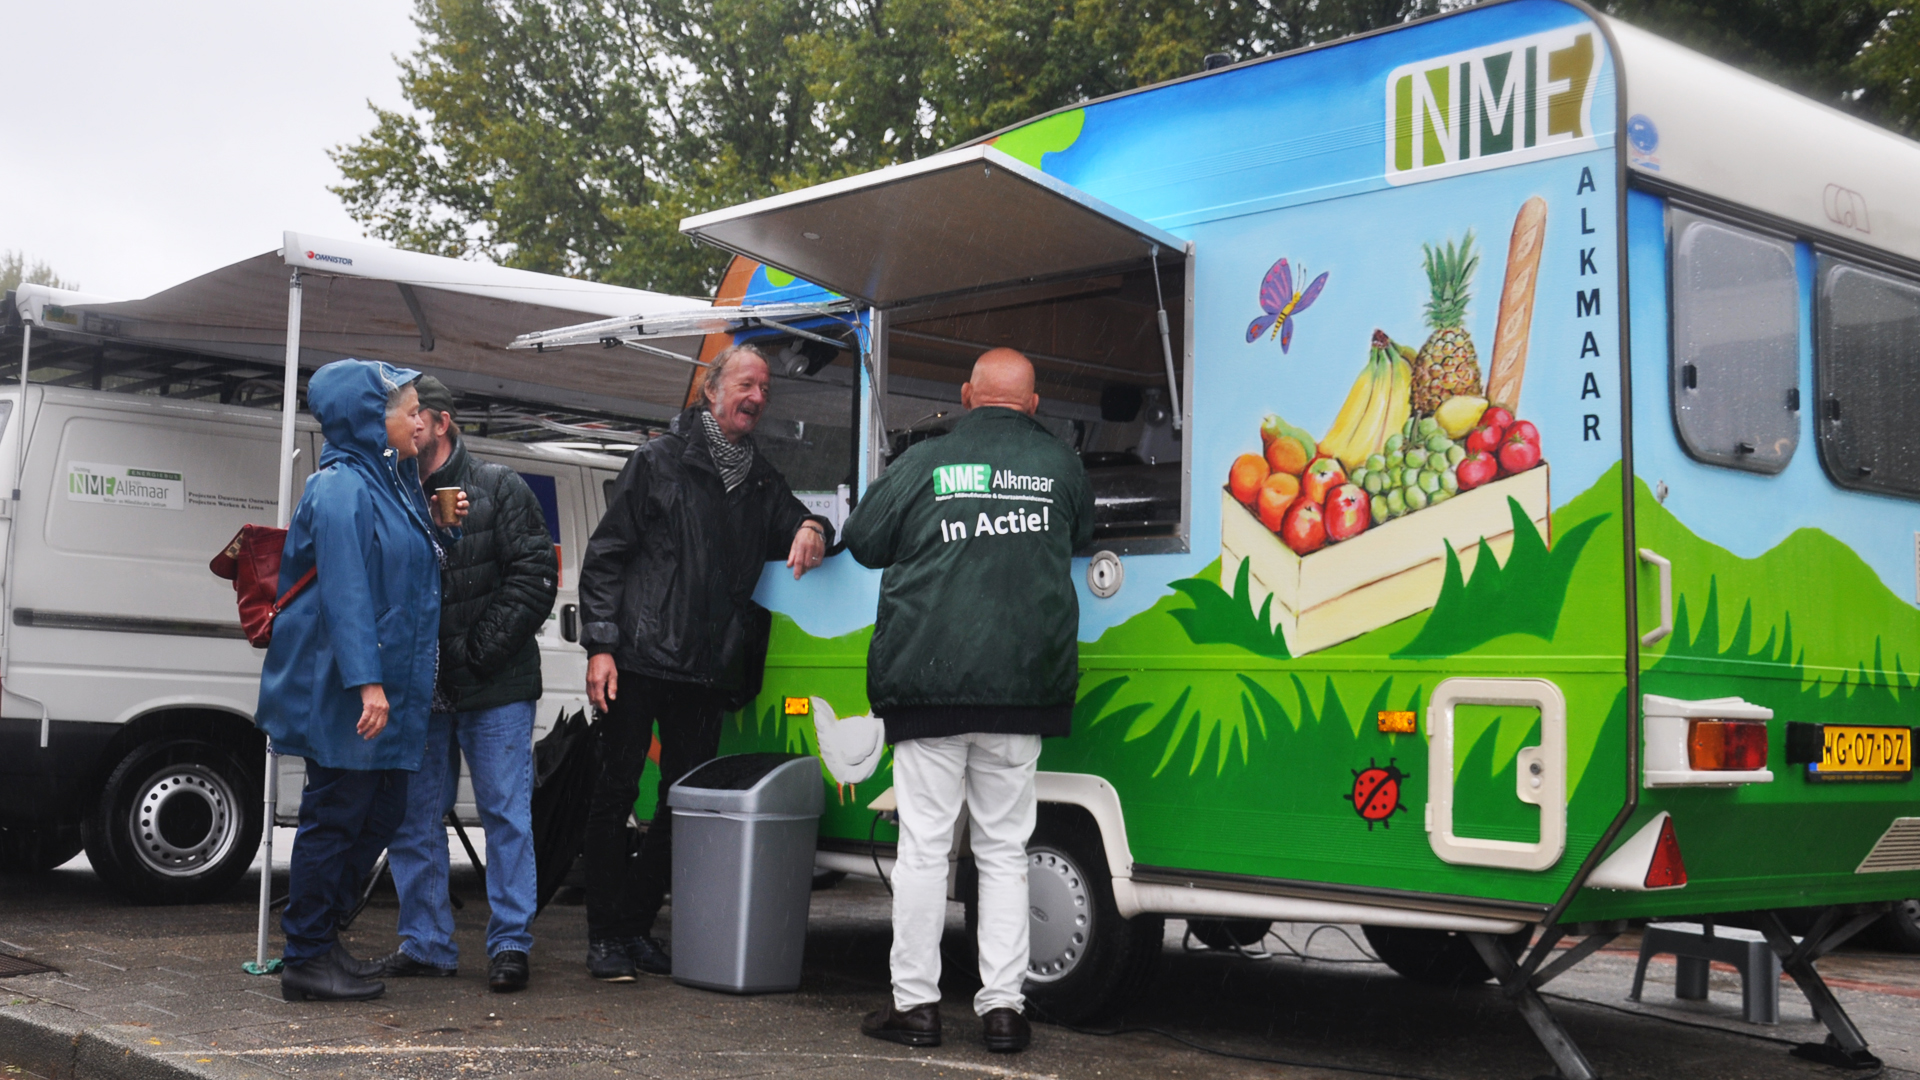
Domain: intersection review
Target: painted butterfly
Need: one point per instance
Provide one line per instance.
(1281, 303)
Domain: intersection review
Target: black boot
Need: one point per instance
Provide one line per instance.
(325, 979)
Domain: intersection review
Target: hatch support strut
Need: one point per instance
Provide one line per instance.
(1166, 335)
(1845, 1047)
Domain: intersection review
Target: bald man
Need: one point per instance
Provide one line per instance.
(974, 659)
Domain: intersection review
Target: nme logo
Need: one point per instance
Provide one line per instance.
(954, 479)
(1847, 208)
(1520, 100)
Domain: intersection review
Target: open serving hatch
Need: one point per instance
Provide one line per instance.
(940, 259)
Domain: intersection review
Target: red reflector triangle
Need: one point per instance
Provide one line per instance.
(1667, 869)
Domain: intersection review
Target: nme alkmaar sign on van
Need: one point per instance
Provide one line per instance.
(1520, 100)
(124, 485)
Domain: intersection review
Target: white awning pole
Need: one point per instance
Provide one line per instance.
(283, 513)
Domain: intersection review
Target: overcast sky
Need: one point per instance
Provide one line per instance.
(151, 142)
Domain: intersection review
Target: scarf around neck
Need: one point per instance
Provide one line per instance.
(732, 459)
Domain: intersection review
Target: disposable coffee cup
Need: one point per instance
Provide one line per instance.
(445, 501)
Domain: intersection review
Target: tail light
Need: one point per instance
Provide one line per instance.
(1727, 745)
(1667, 870)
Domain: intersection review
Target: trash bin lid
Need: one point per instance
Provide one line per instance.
(753, 784)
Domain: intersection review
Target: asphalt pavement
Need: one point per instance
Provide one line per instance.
(159, 992)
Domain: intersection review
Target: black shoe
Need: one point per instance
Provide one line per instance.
(918, 1026)
(649, 955)
(507, 972)
(323, 979)
(353, 965)
(1006, 1031)
(608, 961)
(398, 965)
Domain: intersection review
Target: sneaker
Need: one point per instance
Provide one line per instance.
(649, 955)
(608, 961)
(918, 1026)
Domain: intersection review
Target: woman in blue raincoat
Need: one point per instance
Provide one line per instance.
(348, 680)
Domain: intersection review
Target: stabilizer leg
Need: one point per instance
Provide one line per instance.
(1520, 984)
(1845, 1047)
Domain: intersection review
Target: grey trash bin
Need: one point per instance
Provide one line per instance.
(744, 828)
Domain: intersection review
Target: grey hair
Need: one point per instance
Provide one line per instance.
(717, 367)
(395, 395)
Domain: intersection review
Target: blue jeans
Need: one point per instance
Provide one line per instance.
(498, 744)
(346, 817)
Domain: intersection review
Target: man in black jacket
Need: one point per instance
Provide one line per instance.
(496, 589)
(666, 603)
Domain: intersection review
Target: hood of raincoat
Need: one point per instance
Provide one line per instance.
(349, 398)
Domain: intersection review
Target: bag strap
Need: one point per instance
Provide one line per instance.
(306, 579)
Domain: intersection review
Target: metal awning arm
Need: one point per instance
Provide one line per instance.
(690, 323)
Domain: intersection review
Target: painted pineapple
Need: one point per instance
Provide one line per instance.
(1447, 365)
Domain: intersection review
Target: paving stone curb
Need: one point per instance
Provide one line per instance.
(61, 1044)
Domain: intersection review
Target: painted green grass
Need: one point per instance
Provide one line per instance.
(1221, 618)
(1523, 597)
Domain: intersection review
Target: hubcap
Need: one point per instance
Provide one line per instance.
(184, 820)
(1060, 922)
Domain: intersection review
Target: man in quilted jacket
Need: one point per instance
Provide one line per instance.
(497, 589)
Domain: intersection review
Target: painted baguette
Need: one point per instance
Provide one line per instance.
(1514, 327)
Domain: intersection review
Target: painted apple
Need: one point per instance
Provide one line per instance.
(1484, 439)
(1475, 469)
(1347, 513)
(1305, 527)
(1322, 476)
(1244, 479)
(1276, 494)
(1520, 449)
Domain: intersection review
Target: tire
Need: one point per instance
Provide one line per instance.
(35, 849)
(1086, 962)
(1230, 935)
(1898, 930)
(1437, 957)
(177, 821)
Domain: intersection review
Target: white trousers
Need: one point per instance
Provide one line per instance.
(992, 776)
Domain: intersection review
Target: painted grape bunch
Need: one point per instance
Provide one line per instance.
(1376, 793)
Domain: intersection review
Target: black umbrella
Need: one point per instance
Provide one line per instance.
(564, 765)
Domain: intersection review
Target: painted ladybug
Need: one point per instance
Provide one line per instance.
(1376, 793)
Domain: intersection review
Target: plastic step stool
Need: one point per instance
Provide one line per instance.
(1694, 947)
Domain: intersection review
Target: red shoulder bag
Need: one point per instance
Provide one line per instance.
(252, 562)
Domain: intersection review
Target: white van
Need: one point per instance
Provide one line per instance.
(126, 686)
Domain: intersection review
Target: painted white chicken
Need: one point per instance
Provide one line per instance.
(851, 748)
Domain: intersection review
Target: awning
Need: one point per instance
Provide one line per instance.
(444, 316)
(807, 320)
(956, 222)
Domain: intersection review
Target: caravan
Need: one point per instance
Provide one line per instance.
(1501, 432)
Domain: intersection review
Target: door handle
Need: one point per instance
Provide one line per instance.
(1666, 598)
(570, 622)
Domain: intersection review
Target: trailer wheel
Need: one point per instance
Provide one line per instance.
(1437, 957)
(1899, 930)
(1086, 962)
(176, 823)
(1230, 935)
(35, 849)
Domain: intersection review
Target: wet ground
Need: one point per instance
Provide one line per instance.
(164, 986)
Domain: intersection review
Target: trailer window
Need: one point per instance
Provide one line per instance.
(1736, 344)
(1100, 372)
(1867, 369)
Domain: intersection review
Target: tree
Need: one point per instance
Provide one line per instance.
(15, 269)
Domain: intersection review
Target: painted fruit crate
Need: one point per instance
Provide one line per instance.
(1383, 575)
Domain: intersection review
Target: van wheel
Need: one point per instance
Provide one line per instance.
(35, 849)
(1086, 962)
(177, 822)
(1437, 957)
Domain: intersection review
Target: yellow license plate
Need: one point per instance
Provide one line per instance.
(1849, 752)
